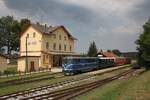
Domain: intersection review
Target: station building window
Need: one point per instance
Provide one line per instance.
(59, 46)
(47, 45)
(54, 36)
(54, 46)
(65, 47)
(44, 59)
(34, 34)
(70, 48)
(65, 38)
(59, 37)
(27, 35)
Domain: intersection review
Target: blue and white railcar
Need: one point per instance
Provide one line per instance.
(72, 65)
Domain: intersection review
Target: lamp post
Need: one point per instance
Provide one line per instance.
(26, 69)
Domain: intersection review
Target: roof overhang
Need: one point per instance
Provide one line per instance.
(64, 53)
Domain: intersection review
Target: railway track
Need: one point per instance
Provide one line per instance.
(42, 90)
(46, 91)
(69, 93)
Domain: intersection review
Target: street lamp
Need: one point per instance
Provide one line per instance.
(26, 69)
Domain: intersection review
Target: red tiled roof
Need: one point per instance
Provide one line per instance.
(108, 54)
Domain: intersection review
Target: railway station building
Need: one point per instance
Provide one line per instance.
(43, 47)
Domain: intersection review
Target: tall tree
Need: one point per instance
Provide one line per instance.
(144, 46)
(25, 23)
(92, 52)
(108, 50)
(117, 52)
(9, 33)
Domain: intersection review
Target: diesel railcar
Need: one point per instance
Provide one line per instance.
(73, 65)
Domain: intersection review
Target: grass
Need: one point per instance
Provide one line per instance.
(15, 88)
(12, 69)
(3, 79)
(134, 88)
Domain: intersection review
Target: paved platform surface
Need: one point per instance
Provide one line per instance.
(55, 69)
(107, 69)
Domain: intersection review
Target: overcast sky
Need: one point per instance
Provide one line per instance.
(112, 24)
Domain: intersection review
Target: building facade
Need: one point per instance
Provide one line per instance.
(3, 63)
(43, 46)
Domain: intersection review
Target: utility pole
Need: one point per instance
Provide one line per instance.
(26, 69)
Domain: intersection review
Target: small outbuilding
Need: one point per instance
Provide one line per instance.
(3, 63)
(106, 54)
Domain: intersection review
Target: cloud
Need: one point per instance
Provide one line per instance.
(50, 9)
(141, 12)
(105, 22)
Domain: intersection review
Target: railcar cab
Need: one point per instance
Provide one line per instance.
(106, 62)
(73, 65)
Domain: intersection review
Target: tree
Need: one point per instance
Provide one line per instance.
(24, 23)
(92, 52)
(109, 50)
(117, 52)
(9, 33)
(2, 50)
(144, 46)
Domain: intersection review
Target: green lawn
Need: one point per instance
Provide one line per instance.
(3, 79)
(12, 70)
(134, 88)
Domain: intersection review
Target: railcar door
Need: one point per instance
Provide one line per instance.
(83, 65)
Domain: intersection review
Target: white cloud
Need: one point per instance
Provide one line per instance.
(3, 10)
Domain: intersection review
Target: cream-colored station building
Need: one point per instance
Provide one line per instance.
(46, 46)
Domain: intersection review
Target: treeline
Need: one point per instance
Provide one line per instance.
(10, 30)
(144, 46)
(132, 55)
(92, 52)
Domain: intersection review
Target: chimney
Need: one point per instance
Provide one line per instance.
(50, 26)
(37, 23)
(45, 25)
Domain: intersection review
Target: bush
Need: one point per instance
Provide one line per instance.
(11, 70)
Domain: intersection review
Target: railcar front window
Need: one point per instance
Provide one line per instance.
(83, 61)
